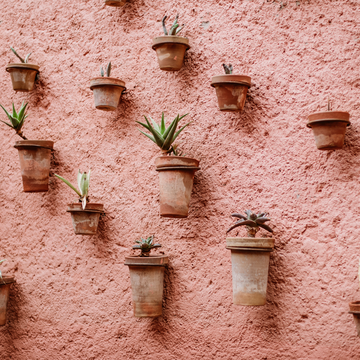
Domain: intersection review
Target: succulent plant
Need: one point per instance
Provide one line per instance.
(16, 119)
(24, 61)
(107, 70)
(228, 68)
(83, 181)
(145, 245)
(162, 136)
(175, 28)
(252, 222)
(1, 261)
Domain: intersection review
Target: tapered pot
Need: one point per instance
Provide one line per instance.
(355, 310)
(23, 76)
(4, 296)
(250, 267)
(147, 283)
(107, 92)
(176, 177)
(231, 91)
(34, 158)
(116, 3)
(329, 129)
(170, 51)
(85, 222)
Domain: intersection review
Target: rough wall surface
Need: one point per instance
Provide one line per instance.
(72, 299)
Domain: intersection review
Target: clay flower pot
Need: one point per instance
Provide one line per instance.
(170, 51)
(329, 129)
(176, 177)
(85, 222)
(34, 158)
(116, 3)
(231, 91)
(23, 76)
(250, 266)
(355, 310)
(107, 92)
(4, 296)
(147, 283)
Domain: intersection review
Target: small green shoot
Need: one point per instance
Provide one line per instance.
(145, 245)
(16, 118)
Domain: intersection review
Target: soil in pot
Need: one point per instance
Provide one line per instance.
(147, 283)
(329, 129)
(250, 259)
(34, 158)
(116, 3)
(4, 296)
(355, 310)
(170, 51)
(107, 92)
(23, 76)
(231, 91)
(176, 177)
(85, 222)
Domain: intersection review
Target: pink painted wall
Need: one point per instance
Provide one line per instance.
(73, 298)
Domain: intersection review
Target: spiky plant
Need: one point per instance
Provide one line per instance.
(83, 181)
(252, 222)
(164, 136)
(228, 68)
(145, 245)
(107, 70)
(175, 28)
(24, 61)
(1, 261)
(16, 119)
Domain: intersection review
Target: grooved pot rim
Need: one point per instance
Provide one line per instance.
(7, 280)
(327, 120)
(170, 39)
(106, 81)
(80, 209)
(231, 79)
(46, 144)
(152, 260)
(254, 246)
(22, 66)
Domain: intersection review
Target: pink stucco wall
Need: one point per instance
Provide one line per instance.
(72, 299)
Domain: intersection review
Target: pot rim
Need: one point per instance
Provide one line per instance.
(7, 280)
(327, 120)
(111, 82)
(70, 210)
(256, 244)
(177, 165)
(32, 144)
(170, 39)
(231, 79)
(163, 260)
(22, 66)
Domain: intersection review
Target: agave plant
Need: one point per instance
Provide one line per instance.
(1, 261)
(163, 136)
(228, 68)
(16, 119)
(252, 222)
(107, 70)
(145, 245)
(24, 61)
(83, 181)
(175, 28)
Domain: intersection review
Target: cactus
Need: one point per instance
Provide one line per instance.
(24, 61)
(252, 222)
(145, 245)
(16, 119)
(107, 70)
(228, 68)
(175, 28)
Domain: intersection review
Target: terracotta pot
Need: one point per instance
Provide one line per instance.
(250, 266)
(34, 158)
(23, 76)
(107, 92)
(355, 310)
(231, 91)
(170, 51)
(4, 296)
(115, 2)
(85, 222)
(176, 177)
(329, 129)
(147, 283)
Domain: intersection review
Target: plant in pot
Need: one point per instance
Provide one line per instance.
(231, 89)
(170, 48)
(116, 3)
(23, 75)
(84, 214)
(107, 90)
(250, 258)
(5, 282)
(34, 155)
(147, 278)
(329, 128)
(355, 310)
(176, 172)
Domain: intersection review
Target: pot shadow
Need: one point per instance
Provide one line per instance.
(39, 96)
(130, 13)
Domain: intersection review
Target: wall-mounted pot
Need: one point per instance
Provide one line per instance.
(4, 296)
(231, 91)
(176, 177)
(34, 158)
(107, 92)
(23, 76)
(147, 283)
(116, 3)
(85, 222)
(170, 51)
(329, 128)
(355, 310)
(250, 259)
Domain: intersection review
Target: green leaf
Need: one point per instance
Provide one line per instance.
(158, 138)
(170, 138)
(68, 184)
(102, 71)
(155, 125)
(178, 132)
(7, 124)
(84, 202)
(149, 136)
(144, 125)
(170, 127)
(78, 180)
(7, 114)
(22, 110)
(162, 126)
(14, 111)
(27, 58)
(1, 261)
(108, 69)
(20, 58)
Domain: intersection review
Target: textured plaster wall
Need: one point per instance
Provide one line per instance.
(72, 299)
